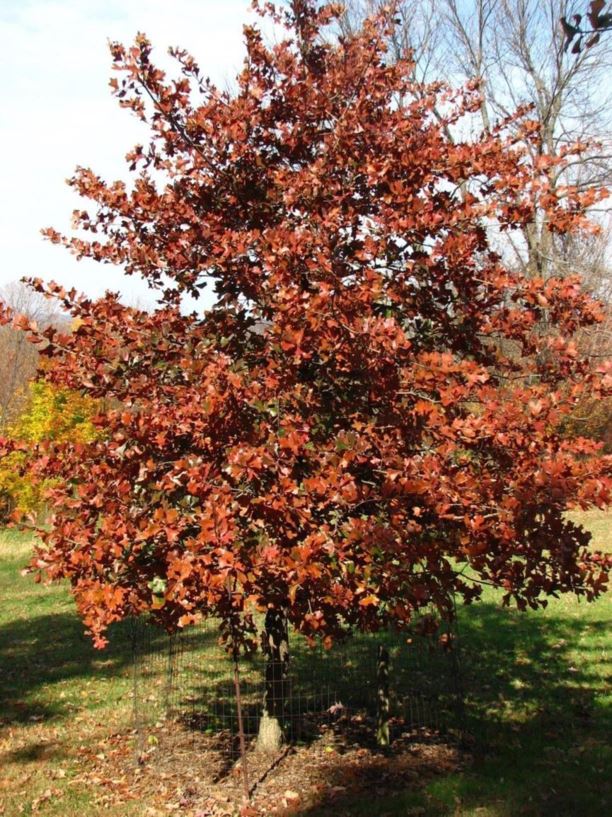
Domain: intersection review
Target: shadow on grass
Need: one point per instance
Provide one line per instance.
(35, 752)
(536, 722)
(535, 711)
(45, 650)
(39, 654)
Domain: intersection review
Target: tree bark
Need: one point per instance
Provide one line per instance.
(276, 649)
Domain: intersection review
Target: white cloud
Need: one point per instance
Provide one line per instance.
(57, 112)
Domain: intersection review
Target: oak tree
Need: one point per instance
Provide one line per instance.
(366, 422)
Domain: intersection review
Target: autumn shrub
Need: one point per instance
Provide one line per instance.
(52, 414)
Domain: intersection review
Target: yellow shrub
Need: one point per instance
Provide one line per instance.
(52, 413)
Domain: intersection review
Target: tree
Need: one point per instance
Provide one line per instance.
(365, 422)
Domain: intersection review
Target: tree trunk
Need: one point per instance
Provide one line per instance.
(276, 649)
(383, 706)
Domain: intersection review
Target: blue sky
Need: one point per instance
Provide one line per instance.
(57, 112)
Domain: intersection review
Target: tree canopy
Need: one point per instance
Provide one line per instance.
(366, 421)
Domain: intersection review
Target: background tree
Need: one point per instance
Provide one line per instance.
(372, 448)
(18, 358)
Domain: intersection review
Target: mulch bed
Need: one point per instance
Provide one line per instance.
(178, 769)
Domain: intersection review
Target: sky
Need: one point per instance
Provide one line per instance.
(57, 112)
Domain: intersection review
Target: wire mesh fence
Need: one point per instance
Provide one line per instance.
(190, 695)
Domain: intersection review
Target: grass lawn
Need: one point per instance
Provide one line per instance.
(538, 704)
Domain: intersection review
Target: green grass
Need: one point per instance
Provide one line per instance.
(58, 695)
(538, 705)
